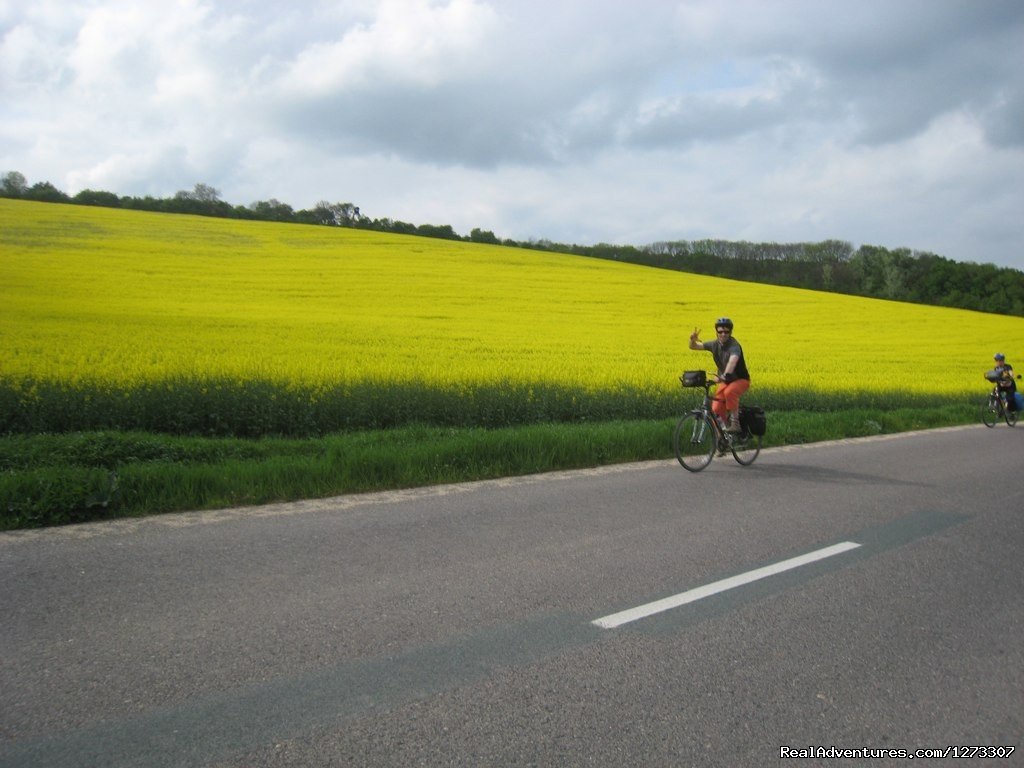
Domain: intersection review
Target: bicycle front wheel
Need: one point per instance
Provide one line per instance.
(694, 441)
(745, 448)
(989, 412)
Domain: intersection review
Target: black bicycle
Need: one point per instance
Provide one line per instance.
(995, 407)
(699, 436)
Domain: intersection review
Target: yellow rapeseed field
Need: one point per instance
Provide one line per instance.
(124, 297)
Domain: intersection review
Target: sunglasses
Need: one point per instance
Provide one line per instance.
(723, 330)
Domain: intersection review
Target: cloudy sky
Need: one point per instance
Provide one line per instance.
(897, 123)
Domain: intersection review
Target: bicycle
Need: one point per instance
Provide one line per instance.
(994, 408)
(699, 435)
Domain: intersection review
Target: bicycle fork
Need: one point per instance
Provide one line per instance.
(700, 429)
(723, 440)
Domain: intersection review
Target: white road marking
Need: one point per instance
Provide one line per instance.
(699, 593)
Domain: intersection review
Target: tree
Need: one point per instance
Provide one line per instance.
(338, 214)
(442, 231)
(478, 235)
(13, 185)
(272, 210)
(203, 200)
(45, 192)
(97, 197)
(324, 213)
(202, 193)
(391, 225)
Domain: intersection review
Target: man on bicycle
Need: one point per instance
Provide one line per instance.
(733, 378)
(1004, 380)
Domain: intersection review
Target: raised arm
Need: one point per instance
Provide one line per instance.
(695, 342)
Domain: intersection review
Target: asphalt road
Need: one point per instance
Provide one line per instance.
(862, 594)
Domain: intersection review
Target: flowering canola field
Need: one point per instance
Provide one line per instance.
(104, 304)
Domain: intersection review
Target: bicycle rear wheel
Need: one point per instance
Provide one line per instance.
(989, 412)
(1010, 416)
(694, 441)
(745, 448)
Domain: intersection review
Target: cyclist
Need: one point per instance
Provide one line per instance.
(1004, 380)
(732, 377)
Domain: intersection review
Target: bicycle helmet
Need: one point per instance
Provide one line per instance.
(723, 322)
(1000, 356)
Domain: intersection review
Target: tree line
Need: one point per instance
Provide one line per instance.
(204, 200)
(899, 274)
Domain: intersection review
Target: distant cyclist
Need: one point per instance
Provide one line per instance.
(1004, 380)
(732, 376)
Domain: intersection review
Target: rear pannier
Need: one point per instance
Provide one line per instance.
(753, 420)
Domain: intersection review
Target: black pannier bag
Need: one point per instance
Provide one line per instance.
(753, 420)
(693, 378)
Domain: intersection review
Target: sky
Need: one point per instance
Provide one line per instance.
(895, 123)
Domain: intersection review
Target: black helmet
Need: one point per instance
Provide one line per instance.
(723, 322)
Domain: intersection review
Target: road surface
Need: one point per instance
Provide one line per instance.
(864, 594)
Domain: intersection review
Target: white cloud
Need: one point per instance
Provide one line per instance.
(408, 43)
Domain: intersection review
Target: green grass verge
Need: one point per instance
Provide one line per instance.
(254, 408)
(55, 479)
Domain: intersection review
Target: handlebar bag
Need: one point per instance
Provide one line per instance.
(693, 378)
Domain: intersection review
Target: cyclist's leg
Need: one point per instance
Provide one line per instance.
(733, 391)
(718, 402)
